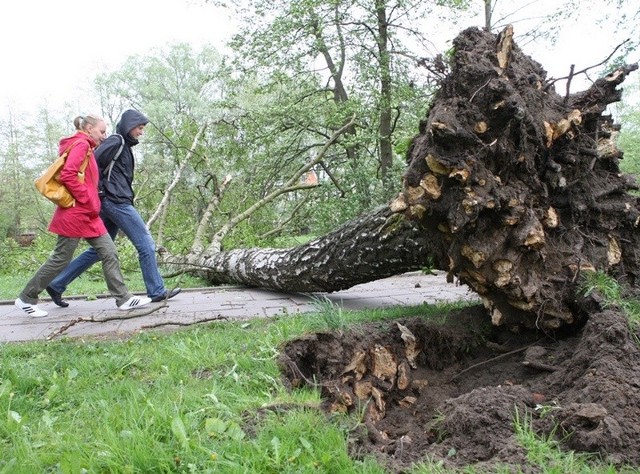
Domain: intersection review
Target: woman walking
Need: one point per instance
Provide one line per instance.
(80, 221)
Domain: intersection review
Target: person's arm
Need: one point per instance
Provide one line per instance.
(71, 169)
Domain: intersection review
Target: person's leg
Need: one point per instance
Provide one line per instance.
(81, 263)
(127, 218)
(72, 271)
(58, 260)
(106, 250)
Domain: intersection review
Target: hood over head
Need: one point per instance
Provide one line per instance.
(129, 120)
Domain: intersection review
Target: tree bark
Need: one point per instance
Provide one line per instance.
(377, 245)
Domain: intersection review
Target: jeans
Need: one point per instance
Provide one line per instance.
(104, 249)
(126, 218)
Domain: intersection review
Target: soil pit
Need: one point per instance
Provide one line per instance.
(451, 390)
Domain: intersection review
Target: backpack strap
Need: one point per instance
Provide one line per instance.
(107, 171)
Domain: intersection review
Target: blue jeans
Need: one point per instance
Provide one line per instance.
(116, 217)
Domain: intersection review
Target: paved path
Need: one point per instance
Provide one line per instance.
(228, 303)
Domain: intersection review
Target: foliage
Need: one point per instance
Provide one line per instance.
(629, 138)
(332, 313)
(25, 151)
(336, 53)
(297, 71)
(20, 263)
(545, 450)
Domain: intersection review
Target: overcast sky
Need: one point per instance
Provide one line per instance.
(50, 50)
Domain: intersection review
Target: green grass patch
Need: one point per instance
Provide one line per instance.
(611, 291)
(19, 264)
(199, 400)
(206, 399)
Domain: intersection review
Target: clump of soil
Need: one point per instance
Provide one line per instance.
(451, 390)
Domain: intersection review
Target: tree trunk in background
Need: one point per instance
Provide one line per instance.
(384, 128)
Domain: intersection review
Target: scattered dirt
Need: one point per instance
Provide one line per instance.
(451, 390)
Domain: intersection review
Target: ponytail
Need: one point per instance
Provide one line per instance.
(82, 122)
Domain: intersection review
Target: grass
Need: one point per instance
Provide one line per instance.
(199, 400)
(203, 399)
(611, 292)
(24, 261)
(545, 451)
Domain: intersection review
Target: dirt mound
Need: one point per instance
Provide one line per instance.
(451, 390)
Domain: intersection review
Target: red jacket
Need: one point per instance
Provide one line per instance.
(83, 219)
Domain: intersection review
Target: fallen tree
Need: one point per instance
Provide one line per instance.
(510, 188)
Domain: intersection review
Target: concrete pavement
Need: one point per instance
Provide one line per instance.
(224, 303)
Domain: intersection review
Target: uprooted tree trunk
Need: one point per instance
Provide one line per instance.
(377, 245)
(510, 187)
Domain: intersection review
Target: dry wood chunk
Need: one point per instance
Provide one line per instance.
(411, 348)
(384, 364)
(436, 167)
(362, 389)
(414, 193)
(419, 384)
(399, 204)
(357, 364)
(477, 257)
(407, 401)
(429, 184)
(378, 398)
(404, 378)
(337, 407)
(614, 254)
(505, 44)
(503, 268)
(551, 218)
(480, 127)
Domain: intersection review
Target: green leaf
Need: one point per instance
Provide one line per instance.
(14, 416)
(5, 388)
(180, 432)
(235, 432)
(215, 426)
(306, 444)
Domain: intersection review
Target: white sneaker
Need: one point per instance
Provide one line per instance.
(30, 309)
(135, 302)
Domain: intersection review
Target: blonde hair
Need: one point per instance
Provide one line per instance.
(81, 122)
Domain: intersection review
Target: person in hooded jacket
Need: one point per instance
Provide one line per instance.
(80, 221)
(116, 161)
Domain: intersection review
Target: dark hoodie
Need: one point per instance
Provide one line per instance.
(118, 188)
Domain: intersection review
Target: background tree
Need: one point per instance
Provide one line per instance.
(27, 148)
(363, 54)
(629, 137)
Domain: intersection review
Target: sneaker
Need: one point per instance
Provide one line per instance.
(56, 297)
(30, 309)
(167, 295)
(135, 302)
